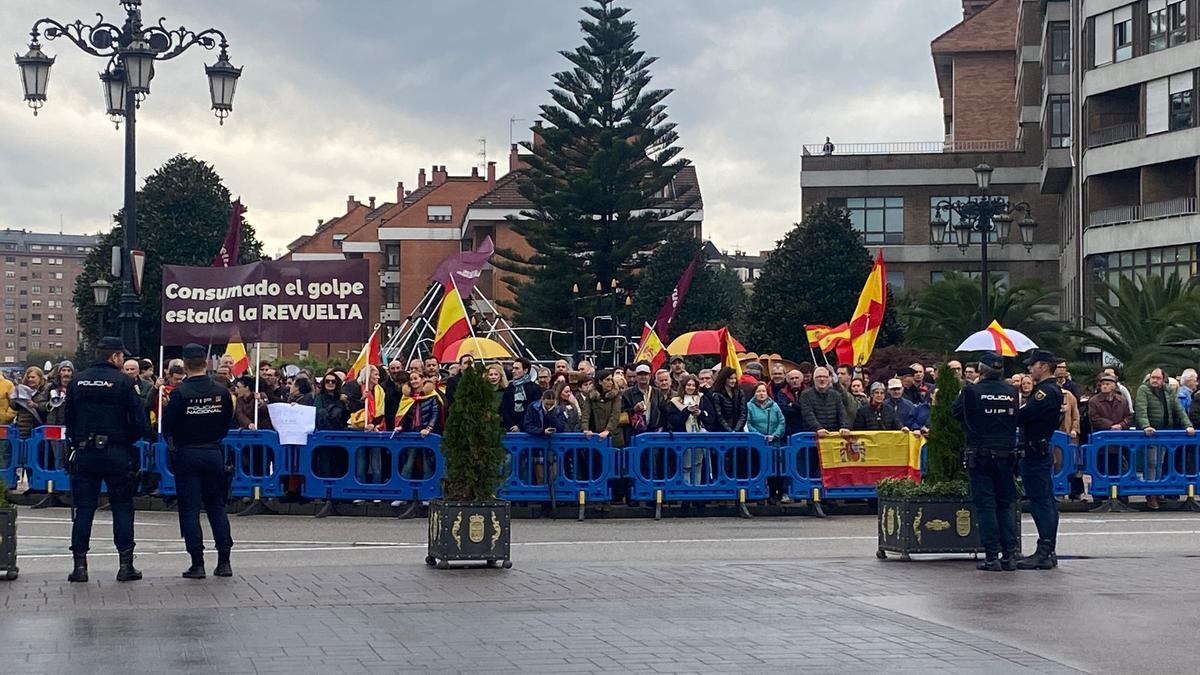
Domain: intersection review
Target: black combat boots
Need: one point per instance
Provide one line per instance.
(79, 574)
(127, 572)
(223, 569)
(196, 571)
(1043, 558)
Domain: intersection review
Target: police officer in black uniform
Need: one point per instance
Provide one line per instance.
(1038, 419)
(987, 411)
(104, 418)
(195, 420)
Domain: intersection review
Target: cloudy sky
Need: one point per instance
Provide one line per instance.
(343, 97)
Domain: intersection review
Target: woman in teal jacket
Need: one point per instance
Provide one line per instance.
(764, 415)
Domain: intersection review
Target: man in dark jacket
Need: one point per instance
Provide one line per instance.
(905, 410)
(822, 406)
(521, 393)
(788, 398)
(875, 414)
(914, 385)
(393, 392)
(642, 401)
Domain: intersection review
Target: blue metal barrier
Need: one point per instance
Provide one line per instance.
(347, 465)
(158, 460)
(800, 467)
(1072, 462)
(12, 454)
(1132, 463)
(699, 466)
(259, 462)
(581, 468)
(46, 452)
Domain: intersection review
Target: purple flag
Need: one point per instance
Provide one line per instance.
(465, 268)
(670, 308)
(228, 256)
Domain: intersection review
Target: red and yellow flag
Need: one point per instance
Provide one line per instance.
(650, 348)
(868, 456)
(814, 334)
(371, 355)
(452, 323)
(1004, 344)
(868, 313)
(237, 350)
(729, 351)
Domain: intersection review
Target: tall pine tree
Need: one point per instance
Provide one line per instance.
(600, 180)
(814, 276)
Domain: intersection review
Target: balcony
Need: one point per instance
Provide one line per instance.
(1117, 215)
(1117, 133)
(912, 147)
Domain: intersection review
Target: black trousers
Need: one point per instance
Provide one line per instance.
(994, 490)
(114, 467)
(200, 482)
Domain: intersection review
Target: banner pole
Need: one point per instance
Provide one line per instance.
(162, 369)
(257, 360)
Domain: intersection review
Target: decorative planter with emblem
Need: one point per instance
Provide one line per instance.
(930, 525)
(469, 531)
(8, 541)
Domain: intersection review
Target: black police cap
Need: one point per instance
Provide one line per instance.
(112, 344)
(991, 360)
(194, 351)
(1042, 355)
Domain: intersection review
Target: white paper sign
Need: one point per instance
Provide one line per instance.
(292, 422)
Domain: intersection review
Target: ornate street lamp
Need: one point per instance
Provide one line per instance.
(132, 49)
(100, 290)
(983, 215)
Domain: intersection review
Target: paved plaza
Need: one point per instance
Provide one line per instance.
(681, 595)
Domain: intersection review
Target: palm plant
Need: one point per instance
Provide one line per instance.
(1139, 318)
(942, 314)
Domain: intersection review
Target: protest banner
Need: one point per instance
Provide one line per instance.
(293, 422)
(268, 301)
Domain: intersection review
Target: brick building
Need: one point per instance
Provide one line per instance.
(990, 115)
(39, 278)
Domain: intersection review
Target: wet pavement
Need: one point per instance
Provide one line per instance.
(695, 595)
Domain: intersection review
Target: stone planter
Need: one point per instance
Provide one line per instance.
(930, 525)
(8, 544)
(469, 531)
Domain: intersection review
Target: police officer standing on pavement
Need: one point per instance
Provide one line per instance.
(104, 418)
(1038, 419)
(195, 420)
(987, 410)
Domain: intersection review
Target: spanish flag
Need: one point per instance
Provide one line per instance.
(650, 348)
(241, 360)
(729, 351)
(868, 313)
(371, 355)
(868, 456)
(833, 337)
(452, 323)
(814, 334)
(1004, 344)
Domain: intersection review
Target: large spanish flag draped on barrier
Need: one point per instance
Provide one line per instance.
(868, 456)
(868, 313)
(452, 323)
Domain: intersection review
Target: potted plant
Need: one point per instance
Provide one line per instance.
(8, 535)
(469, 522)
(935, 514)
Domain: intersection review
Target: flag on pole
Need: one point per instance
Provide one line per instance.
(228, 255)
(814, 333)
(371, 355)
(729, 352)
(670, 308)
(452, 324)
(868, 313)
(650, 348)
(241, 360)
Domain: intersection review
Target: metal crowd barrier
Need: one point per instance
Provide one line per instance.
(571, 467)
(800, 467)
(1072, 462)
(46, 452)
(351, 465)
(12, 454)
(699, 467)
(1130, 463)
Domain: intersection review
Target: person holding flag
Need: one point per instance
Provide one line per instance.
(420, 411)
(650, 349)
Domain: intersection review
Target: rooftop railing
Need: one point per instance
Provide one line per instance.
(911, 147)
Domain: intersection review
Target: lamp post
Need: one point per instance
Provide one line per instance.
(100, 289)
(131, 50)
(983, 215)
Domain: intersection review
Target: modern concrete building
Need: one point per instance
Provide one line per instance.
(39, 278)
(989, 86)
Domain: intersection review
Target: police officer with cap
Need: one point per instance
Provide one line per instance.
(195, 420)
(1038, 419)
(987, 410)
(104, 418)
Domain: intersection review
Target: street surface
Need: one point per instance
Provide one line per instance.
(680, 595)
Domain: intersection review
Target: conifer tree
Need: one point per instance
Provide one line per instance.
(472, 442)
(601, 177)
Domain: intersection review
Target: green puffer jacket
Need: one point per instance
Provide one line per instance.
(1148, 410)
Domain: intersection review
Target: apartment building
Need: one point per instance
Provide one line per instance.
(1124, 158)
(989, 81)
(39, 279)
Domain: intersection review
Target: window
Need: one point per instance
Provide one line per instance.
(35, 247)
(37, 344)
(35, 261)
(35, 275)
(393, 255)
(10, 316)
(338, 239)
(35, 317)
(1157, 20)
(36, 330)
(10, 330)
(35, 289)
(10, 275)
(35, 303)
(56, 275)
(1122, 33)
(1180, 106)
(879, 219)
(1060, 120)
(438, 214)
(10, 289)
(10, 260)
(55, 290)
(953, 218)
(1060, 48)
(54, 304)
(1176, 22)
(1161, 262)
(10, 345)
(10, 302)
(895, 281)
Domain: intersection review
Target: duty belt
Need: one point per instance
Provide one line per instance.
(1040, 448)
